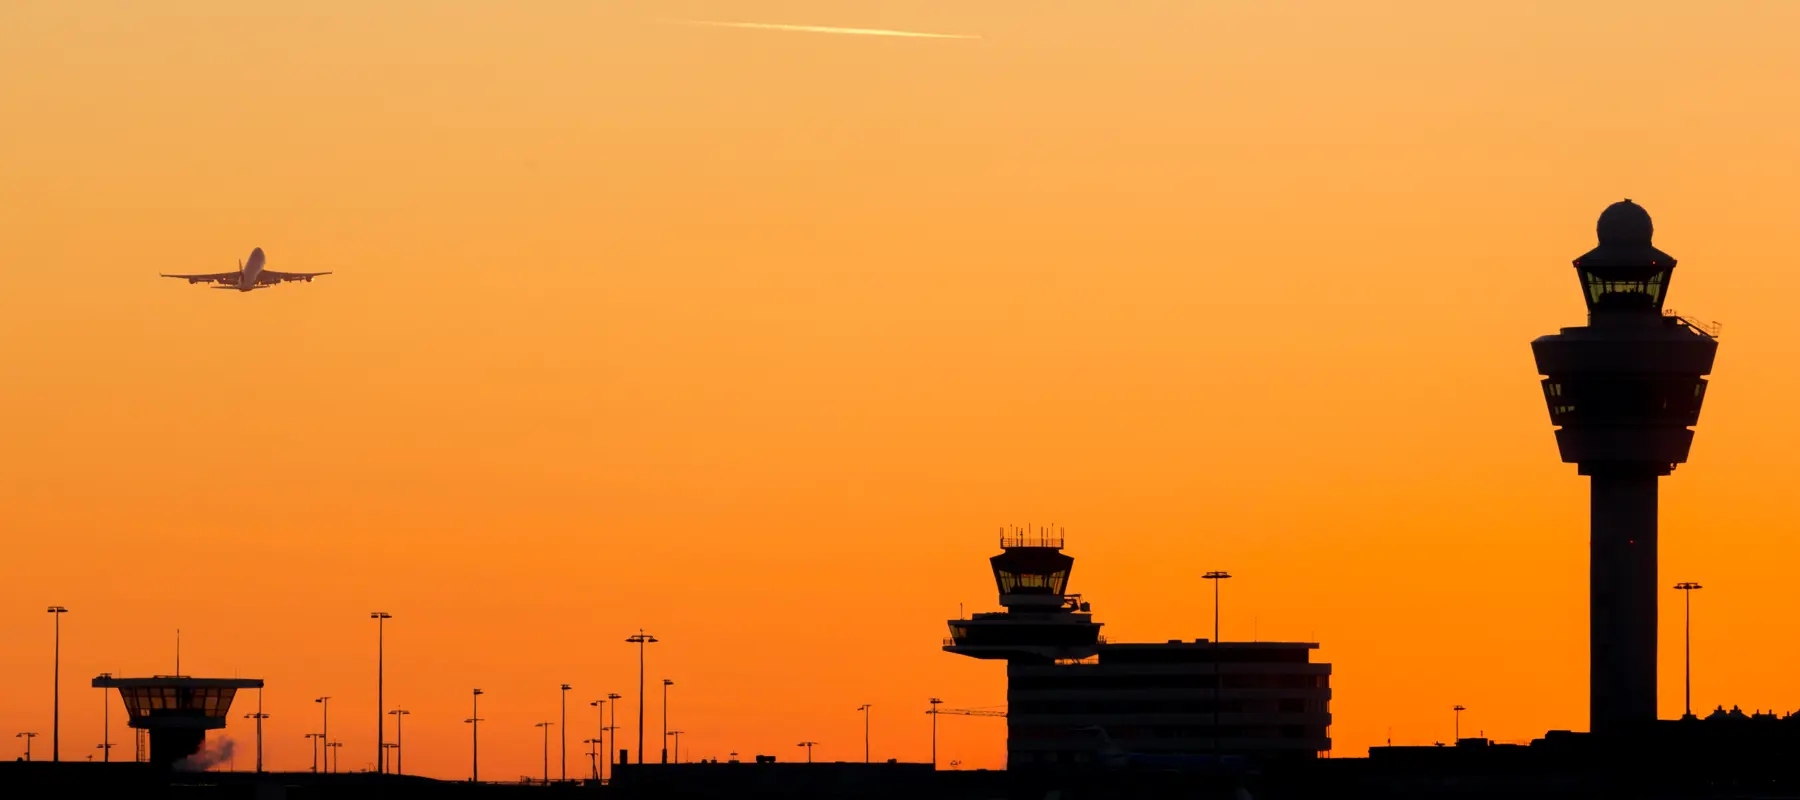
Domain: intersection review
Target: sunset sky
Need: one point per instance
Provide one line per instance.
(755, 338)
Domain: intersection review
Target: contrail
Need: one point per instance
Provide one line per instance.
(821, 29)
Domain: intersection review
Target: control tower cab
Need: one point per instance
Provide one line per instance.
(1041, 623)
(177, 710)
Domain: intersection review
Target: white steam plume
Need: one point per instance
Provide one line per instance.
(211, 755)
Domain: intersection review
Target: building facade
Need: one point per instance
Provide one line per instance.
(1076, 699)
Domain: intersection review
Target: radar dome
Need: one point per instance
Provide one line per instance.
(1625, 223)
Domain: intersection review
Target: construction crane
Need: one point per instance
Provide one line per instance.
(961, 712)
(967, 712)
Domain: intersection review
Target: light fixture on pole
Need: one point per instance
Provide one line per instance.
(381, 618)
(600, 723)
(665, 750)
(809, 747)
(677, 735)
(56, 613)
(259, 716)
(1687, 648)
(1457, 731)
(864, 708)
(399, 739)
(474, 722)
(1217, 577)
(612, 726)
(315, 738)
(934, 715)
(28, 736)
(641, 640)
(325, 727)
(546, 727)
(106, 721)
(564, 737)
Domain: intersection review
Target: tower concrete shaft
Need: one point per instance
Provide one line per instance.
(1624, 391)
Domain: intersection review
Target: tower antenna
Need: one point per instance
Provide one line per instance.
(178, 652)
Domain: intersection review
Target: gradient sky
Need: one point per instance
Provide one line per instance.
(755, 338)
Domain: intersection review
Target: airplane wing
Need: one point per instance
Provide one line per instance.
(217, 277)
(269, 276)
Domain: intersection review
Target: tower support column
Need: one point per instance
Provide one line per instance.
(1622, 600)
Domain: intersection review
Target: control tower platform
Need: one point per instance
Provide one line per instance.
(177, 710)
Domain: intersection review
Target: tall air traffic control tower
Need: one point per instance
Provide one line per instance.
(1624, 392)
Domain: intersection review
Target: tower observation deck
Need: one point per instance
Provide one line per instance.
(1624, 392)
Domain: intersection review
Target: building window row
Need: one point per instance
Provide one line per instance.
(1141, 733)
(1075, 680)
(1287, 705)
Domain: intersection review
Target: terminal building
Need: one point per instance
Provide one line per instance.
(1076, 699)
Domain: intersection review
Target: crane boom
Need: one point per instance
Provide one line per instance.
(967, 712)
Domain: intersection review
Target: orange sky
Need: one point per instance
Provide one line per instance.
(755, 338)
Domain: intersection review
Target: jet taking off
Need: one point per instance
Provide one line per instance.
(249, 276)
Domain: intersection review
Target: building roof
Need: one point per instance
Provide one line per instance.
(1201, 644)
(178, 682)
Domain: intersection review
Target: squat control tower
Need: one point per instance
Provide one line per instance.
(177, 710)
(1624, 392)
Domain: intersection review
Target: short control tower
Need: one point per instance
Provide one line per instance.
(176, 710)
(1041, 624)
(1624, 392)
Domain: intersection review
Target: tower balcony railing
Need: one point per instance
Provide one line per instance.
(1702, 327)
(1023, 538)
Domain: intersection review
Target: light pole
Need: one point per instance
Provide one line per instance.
(1217, 577)
(809, 747)
(934, 715)
(613, 725)
(390, 750)
(594, 755)
(381, 618)
(665, 748)
(105, 722)
(1457, 731)
(331, 759)
(865, 709)
(1687, 690)
(474, 721)
(677, 735)
(28, 736)
(564, 738)
(56, 613)
(325, 727)
(315, 738)
(546, 727)
(641, 640)
(259, 716)
(600, 723)
(399, 739)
